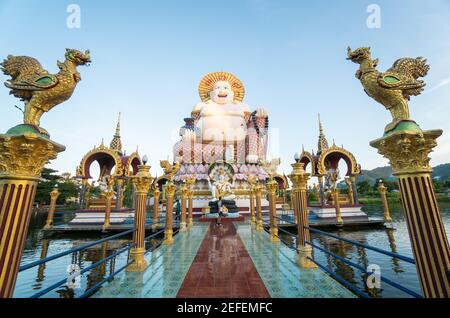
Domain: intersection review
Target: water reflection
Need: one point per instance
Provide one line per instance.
(39, 247)
(394, 239)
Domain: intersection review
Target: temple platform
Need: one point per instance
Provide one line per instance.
(97, 217)
(329, 211)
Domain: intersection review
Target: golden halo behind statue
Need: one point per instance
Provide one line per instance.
(207, 83)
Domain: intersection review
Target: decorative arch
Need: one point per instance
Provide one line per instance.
(107, 159)
(131, 164)
(160, 182)
(307, 158)
(330, 157)
(282, 181)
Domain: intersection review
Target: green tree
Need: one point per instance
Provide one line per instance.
(363, 187)
(66, 186)
(46, 185)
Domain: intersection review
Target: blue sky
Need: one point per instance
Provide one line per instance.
(149, 56)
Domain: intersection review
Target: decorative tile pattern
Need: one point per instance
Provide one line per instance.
(276, 264)
(167, 268)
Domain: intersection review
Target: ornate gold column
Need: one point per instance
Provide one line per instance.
(51, 210)
(251, 191)
(170, 188)
(23, 153)
(84, 184)
(119, 195)
(321, 192)
(252, 205)
(190, 184)
(354, 190)
(259, 222)
(337, 205)
(155, 208)
(272, 186)
(184, 194)
(299, 179)
(108, 196)
(407, 147)
(141, 182)
(351, 198)
(386, 213)
(191, 207)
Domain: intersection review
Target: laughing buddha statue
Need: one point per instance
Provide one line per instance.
(224, 126)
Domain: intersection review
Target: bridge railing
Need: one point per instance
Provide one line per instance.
(126, 248)
(355, 289)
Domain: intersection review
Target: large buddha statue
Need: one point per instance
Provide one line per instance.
(222, 127)
(222, 134)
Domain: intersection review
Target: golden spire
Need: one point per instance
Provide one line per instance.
(323, 143)
(116, 143)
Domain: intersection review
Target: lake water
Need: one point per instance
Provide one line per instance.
(38, 278)
(394, 240)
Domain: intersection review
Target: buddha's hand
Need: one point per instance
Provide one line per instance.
(261, 112)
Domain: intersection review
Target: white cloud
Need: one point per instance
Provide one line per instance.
(441, 84)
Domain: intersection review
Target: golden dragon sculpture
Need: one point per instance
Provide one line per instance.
(40, 90)
(394, 87)
(169, 170)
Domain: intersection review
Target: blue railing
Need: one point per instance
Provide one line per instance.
(375, 249)
(121, 250)
(74, 250)
(62, 281)
(355, 289)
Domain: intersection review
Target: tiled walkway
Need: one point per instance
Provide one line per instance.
(229, 261)
(276, 264)
(223, 268)
(167, 268)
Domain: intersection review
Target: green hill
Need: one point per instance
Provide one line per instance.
(441, 171)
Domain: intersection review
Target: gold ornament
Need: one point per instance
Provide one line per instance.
(299, 177)
(40, 90)
(24, 156)
(272, 186)
(394, 87)
(408, 152)
(169, 170)
(207, 83)
(142, 180)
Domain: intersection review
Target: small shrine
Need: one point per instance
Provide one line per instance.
(324, 165)
(223, 144)
(115, 167)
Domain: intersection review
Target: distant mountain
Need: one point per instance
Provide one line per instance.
(441, 171)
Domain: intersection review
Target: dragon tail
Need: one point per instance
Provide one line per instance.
(417, 67)
(19, 67)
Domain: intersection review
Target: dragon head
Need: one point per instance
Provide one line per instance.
(79, 58)
(359, 55)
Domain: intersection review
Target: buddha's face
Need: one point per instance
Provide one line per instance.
(222, 93)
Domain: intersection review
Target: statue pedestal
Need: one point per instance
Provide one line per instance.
(229, 204)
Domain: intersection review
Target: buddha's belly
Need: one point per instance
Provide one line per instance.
(222, 128)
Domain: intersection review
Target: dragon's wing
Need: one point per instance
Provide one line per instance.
(35, 82)
(404, 74)
(398, 81)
